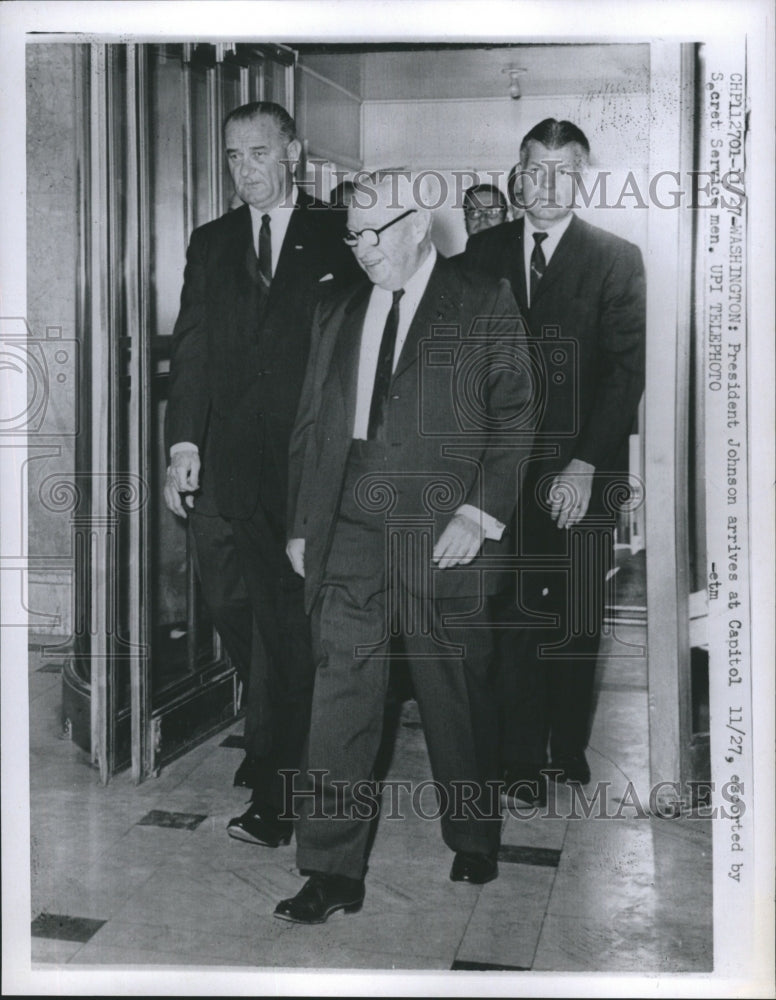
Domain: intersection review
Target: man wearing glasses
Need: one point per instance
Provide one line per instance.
(484, 206)
(397, 495)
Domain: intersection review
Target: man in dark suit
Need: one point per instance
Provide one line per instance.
(404, 465)
(253, 278)
(581, 291)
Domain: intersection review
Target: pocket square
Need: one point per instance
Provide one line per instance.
(327, 277)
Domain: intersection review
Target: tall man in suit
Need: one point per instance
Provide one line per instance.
(253, 278)
(581, 291)
(405, 459)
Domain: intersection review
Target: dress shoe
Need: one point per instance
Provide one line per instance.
(573, 767)
(254, 828)
(319, 897)
(525, 785)
(475, 868)
(244, 775)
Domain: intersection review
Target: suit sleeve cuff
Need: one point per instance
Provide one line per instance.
(493, 529)
(182, 446)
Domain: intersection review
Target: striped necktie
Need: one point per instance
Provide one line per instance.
(265, 250)
(384, 371)
(538, 263)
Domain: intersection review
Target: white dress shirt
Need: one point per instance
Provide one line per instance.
(380, 302)
(549, 246)
(279, 218)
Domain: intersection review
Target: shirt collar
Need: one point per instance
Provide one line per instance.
(287, 205)
(554, 233)
(415, 285)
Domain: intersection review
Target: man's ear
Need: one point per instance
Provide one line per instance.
(421, 224)
(293, 152)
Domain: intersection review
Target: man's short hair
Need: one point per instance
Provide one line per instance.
(285, 123)
(554, 134)
(341, 195)
(477, 189)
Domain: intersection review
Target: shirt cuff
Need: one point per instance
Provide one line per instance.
(182, 446)
(493, 529)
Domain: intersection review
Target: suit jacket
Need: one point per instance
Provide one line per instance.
(459, 415)
(592, 297)
(239, 351)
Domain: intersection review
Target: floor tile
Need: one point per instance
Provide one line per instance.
(178, 899)
(64, 928)
(252, 945)
(634, 941)
(538, 831)
(174, 820)
(45, 951)
(522, 855)
(464, 966)
(404, 937)
(507, 921)
(108, 956)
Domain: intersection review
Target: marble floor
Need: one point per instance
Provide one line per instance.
(129, 877)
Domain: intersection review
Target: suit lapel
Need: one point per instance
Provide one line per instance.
(239, 282)
(295, 243)
(516, 255)
(242, 255)
(348, 348)
(566, 252)
(436, 307)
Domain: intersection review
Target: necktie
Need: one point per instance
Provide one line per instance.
(265, 250)
(384, 369)
(538, 263)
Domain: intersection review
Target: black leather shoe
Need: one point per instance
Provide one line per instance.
(255, 829)
(525, 786)
(475, 868)
(319, 897)
(573, 767)
(243, 776)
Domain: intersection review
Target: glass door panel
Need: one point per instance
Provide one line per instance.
(149, 670)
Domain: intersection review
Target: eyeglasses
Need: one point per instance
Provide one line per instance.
(371, 237)
(483, 213)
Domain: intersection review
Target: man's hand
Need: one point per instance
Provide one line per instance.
(182, 477)
(569, 494)
(295, 552)
(459, 543)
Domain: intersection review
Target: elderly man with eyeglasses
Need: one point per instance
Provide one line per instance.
(415, 417)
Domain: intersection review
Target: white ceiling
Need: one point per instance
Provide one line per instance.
(480, 72)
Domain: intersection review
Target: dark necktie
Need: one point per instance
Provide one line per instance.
(538, 263)
(384, 369)
(265, 250)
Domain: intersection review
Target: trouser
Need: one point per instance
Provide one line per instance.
(365, 614)
(278, 707)
(223, 588)
(545, 674)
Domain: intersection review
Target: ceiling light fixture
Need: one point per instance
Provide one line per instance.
(514, 81)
